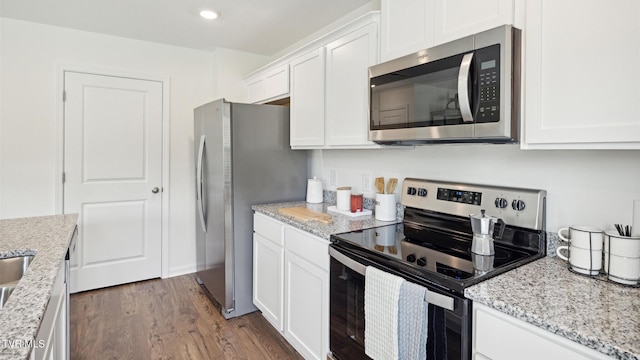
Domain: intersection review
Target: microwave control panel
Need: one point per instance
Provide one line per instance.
(488, 70)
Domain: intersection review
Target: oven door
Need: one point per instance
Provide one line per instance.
(449, 329)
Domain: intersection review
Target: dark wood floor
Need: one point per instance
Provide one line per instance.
(167, 319)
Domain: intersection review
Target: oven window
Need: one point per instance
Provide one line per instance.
(346, 304)
(449, 332)
(422, 96)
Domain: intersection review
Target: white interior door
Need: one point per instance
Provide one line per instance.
(113, 167)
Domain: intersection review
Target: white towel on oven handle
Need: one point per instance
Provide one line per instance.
(381, 296)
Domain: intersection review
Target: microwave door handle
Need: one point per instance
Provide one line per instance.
(463, 86)
(431, 297)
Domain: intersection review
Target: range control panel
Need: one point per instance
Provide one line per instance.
(516, 206)
(466, 197)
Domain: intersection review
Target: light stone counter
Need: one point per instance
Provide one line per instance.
(47, 238)
(340, 224)
(598, 314)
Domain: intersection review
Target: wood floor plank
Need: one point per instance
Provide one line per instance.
(169, 319)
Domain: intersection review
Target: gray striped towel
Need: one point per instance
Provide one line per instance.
(412, 322)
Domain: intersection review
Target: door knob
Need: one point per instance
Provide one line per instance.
(155, 190)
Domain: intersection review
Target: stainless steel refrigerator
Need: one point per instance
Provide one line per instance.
(243, 158)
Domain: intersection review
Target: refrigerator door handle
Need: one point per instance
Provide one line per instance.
(199, 184)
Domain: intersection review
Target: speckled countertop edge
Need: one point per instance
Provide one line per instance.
(600, 315)
(46, 237)
(340, 224)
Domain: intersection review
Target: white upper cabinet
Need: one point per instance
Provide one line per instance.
(412, 25)
(307, 100)
(327, 85)
(269, 84)
(407, 27)
(329, 95)
(582, 74)
(455, 19)
(347, 95)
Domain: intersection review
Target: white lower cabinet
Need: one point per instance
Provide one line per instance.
(497, 336)
(51, 340)
(306, 307)
(268, 278)
(291, 284)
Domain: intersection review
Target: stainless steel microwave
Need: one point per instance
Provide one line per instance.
(467, 90)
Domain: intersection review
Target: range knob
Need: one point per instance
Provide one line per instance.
(422, 192)
(411, 190)
(411, 257)
(422, 261)
(518, 205)
(501, 203)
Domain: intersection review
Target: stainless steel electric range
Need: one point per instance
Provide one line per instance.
(432, 247)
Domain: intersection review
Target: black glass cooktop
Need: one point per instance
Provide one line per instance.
(439, 257)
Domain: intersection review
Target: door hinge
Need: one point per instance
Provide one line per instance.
(64, 95)
(64, 177)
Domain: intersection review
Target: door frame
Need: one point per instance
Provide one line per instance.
(59, 144)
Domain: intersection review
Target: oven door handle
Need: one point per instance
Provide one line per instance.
(463, 88)
(434, 298)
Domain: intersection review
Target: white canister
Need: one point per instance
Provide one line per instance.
(385, 207)
(314, 191)
(343, 199)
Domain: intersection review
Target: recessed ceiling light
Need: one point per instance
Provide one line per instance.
(208, 14)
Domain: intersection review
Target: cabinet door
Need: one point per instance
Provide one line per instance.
(498, 336)
(406, 27)
(307, 100)
(268, 278)
(582, 74)
(454, 19)
(53, 332)
(276, 82)
(347, 95)
(255, 89)
(270, 84)
(306, 307)
(61, 330)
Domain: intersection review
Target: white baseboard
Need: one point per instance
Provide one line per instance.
(182, 270)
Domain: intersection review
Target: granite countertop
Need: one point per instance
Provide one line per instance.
(46, 237)
(598, 314)
(340, 224)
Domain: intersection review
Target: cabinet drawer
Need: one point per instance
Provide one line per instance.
(311, 248)
(498, 336)
(269, 229)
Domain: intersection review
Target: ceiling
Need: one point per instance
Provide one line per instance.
(257, 26)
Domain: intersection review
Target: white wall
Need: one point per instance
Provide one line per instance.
(31, 54)
(584, 187)
(229, 68)
(373, 5)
